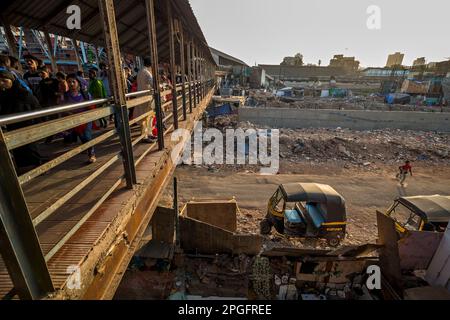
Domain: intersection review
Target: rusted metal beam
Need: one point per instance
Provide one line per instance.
(151, 24)
(117, 81)
(19, 243)
(173, 70)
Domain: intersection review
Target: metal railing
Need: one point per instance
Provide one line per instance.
(11, 140)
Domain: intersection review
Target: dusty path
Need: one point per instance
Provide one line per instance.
(365, 192)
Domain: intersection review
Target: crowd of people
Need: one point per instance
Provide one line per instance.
(39, 88)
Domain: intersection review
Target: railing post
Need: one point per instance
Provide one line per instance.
(151, 25)
(19, 243)
(117, 80)
(172, 65)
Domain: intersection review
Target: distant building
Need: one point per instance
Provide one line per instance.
(395, 59)
(225, 60)
(230, 68)
(384, 72)
(304, 73)
(419, 62)
(347, 63)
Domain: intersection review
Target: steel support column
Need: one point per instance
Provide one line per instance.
(202, 74)
(19, 243)
(51, 52)
(197, 91)
(183, 69)
(117, 80)
(173, 70)
(151, 25)
(77, 52)
(194, 73)
(189, 66)
(10, 38)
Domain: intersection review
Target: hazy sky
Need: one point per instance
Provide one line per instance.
(265, 31)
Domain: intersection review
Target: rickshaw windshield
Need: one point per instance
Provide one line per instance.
(406, 218)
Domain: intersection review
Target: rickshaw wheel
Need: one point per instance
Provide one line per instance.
(265, 227)
(334, 240)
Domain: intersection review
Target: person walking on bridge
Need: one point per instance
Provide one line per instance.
(97, 91)
(145, 82)
(14, 98)
(76, 95)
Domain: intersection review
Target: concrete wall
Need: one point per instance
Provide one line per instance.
(201, 237)
(221, 214)
(352, 119)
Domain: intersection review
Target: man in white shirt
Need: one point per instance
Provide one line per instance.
(145, 82)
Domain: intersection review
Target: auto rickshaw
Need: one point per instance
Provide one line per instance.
(420, 213)
(307, 210)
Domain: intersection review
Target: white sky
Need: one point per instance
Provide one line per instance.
(265, 31)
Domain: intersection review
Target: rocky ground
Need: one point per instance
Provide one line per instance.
(367, 150)
(361, 165)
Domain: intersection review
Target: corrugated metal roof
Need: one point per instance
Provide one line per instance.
(130, 18)
(227, 56)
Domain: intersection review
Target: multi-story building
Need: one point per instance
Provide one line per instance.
(347, 63)
(395, 59)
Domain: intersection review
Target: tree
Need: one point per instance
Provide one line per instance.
(296, 60)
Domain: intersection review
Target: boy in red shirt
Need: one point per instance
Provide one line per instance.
(404, 170)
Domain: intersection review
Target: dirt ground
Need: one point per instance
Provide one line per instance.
(364, 191)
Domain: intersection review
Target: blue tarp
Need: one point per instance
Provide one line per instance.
(398, 98)
(220, 110)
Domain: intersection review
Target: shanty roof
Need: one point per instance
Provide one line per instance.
(131, 19)
(227, 56)
(316, 193)
(433, 208)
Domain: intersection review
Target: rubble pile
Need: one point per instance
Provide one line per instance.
(364, 147)
(361, 148)
(218, 275)
(348, 148)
